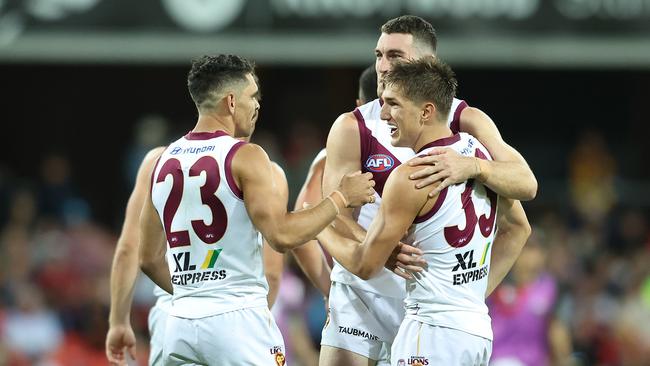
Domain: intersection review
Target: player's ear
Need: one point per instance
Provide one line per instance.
(231, 102)
(427, 113)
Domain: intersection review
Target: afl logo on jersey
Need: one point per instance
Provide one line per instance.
(379, 163)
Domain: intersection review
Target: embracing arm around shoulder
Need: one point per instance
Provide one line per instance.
(508, 174)
(399, 207)
(512, 233)
(268, 211)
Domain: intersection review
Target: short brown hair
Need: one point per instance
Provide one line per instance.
(427, 79)
(421, 30)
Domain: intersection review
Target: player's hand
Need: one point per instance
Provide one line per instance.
(405, 258)
(118, 338)
(446, 166)
(357, 189)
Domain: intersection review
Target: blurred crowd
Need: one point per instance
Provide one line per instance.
(581, 286)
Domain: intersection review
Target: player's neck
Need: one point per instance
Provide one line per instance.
(211, 123)
(432, 133)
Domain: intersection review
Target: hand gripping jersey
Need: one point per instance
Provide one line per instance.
(214, 254)
(456, 237)
(379, 157)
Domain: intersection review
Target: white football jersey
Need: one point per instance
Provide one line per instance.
(456, 236)
(380, 157)
(214, 254)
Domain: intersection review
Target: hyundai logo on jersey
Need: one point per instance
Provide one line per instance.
(379, 163)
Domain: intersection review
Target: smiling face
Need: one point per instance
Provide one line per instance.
(403, 116)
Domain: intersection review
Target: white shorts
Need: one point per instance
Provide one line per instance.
(157, 323)
(241, 337)
(362, 322)
(431, 345)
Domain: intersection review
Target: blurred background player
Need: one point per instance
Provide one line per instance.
(360, 140)
(224, 189)
(527, 330)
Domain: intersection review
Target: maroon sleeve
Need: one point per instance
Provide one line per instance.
(455, 122)
(364, 137)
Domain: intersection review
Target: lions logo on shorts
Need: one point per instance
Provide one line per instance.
(418, 361)
(279, 359)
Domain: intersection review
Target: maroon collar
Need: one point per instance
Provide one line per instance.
(445, 141)
(205, 135)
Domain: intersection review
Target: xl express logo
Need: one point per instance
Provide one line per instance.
(379, 163)
(183, 267)
(466, 263)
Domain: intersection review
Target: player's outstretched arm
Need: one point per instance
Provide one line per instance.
(153, 246)
(274, 261)
(310, 257)
(512, 234)
(508, 174)
(400, 205)
(268, 211)
(125, 268)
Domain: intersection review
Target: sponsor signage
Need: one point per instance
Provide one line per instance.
(332, 16)
(143, 30)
